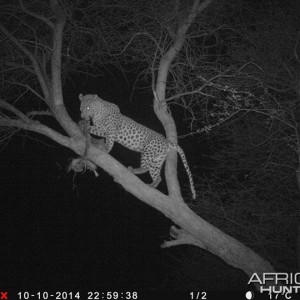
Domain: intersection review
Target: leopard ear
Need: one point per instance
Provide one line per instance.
(89, 97)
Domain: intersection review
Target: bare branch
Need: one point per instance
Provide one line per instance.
(14, 110)
(181, 237)
(296, 46)
(39, 72)
(198, 91)
(36, 126)
(28, 87)
(16, 66)
(160, 106)
(176, 47)
(57, 105)
(40, 113)
(56, 56)
(37, 16)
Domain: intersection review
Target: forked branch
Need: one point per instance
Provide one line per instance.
(41, 75)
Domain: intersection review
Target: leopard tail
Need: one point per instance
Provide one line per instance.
(186, 166)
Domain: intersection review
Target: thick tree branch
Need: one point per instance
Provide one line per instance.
(57, 105)
(56, 56)
(168, 58)
(160, 106)
(36, 126)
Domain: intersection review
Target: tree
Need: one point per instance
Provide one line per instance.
(33, 61)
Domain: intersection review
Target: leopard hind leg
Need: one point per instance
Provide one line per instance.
(145, 161)
(152, 160)
(139, 170)
(143, 168)
(155, 169)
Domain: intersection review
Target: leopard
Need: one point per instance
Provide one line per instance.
(105, 120)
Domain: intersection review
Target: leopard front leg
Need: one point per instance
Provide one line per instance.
(109, 142)
(97, 131)
(109, 138)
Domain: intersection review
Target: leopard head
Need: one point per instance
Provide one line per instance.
(93, 106)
